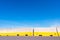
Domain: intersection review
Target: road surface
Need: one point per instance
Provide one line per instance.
(28, 38)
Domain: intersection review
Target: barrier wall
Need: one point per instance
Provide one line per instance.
(45, 32)
(30, 32)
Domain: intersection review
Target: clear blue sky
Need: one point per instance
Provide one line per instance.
(29, 13)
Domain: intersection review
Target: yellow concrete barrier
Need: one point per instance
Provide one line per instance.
(30, 32)
(45, 31)
(45, 34)
(58, 31)
(17, 34)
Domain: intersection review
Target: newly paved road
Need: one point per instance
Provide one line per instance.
(29, 38)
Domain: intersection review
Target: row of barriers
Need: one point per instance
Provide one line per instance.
(51, 31)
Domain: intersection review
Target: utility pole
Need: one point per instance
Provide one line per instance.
(33, 31)
(57, 31)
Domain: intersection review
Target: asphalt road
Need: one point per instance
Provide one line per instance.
(28, 38)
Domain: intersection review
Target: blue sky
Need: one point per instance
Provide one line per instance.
(29, 13)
